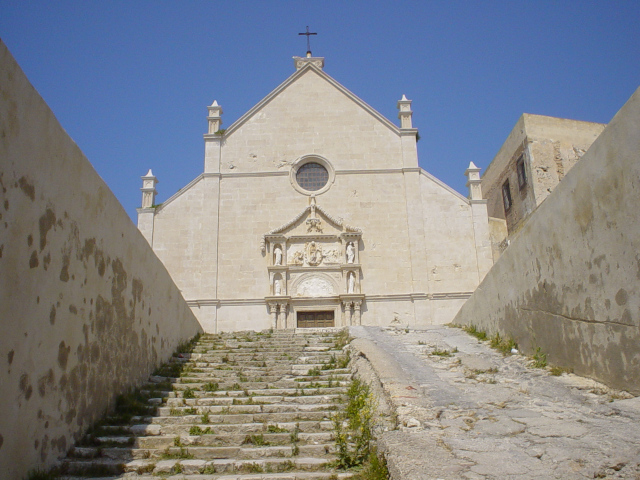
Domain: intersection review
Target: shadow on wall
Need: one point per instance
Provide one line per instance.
(568, 284)
(87, 309)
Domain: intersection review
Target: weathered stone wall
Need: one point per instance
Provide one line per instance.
(569, 281)
(550, 146)
(87, 309)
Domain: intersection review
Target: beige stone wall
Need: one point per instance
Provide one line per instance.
(551, 146)
(568, 283)
(310, 116)
(87, 309)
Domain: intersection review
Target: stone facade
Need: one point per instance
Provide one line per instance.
(377, 240)
(534, 158)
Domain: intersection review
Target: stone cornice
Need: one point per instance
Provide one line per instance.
(369, 298)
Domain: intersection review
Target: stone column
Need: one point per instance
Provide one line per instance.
(283, 315)
(273, 310)
(358, 319)
(347, 312)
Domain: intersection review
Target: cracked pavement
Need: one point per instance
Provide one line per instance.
(477, 414)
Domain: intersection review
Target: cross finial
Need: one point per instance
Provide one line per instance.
(308, 33)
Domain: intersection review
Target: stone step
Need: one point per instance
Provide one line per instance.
(224, 397)
(187, 465)
(252, 409)
(240, 406)
(203, 452)
(210, 438)
(241, 418)
(195, 466)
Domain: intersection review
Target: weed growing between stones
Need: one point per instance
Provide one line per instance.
(276, 429)
(444, 353)
(374, 469)
(187, 347)
(557, 371)
(354, 426)
(210, 387)
(539, 359)
(472, 330)
(342, 339)
(189, 393)
(40, 475)
(354, 434)
(257, 440)
(503, 345)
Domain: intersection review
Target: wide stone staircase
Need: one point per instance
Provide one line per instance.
(233, 406)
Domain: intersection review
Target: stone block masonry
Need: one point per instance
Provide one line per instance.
(569, 282)
(87, 309)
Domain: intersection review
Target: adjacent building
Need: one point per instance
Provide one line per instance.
(534, 158)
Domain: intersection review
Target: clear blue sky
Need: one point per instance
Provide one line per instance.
(130, 80)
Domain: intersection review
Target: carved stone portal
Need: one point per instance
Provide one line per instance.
(315, 287)
(313, 264)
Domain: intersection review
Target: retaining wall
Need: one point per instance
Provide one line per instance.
(569, 283)
(86, 308)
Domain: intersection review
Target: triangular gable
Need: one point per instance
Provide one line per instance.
(309, 211)
(295, 76)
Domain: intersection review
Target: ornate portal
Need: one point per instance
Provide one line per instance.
(313, 266)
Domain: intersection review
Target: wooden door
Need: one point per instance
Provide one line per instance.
(316, 319)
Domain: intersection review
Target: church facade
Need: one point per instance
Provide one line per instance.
(312, 211)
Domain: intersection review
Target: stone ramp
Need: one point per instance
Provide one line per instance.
(468, 412)
(241, 406)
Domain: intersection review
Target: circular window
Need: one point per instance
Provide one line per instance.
(312, 176)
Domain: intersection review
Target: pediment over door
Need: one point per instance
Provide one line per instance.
(313, 257)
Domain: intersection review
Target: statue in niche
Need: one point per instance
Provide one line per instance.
(314, 254)
(277, 287)
(351, 282)
(277, 255)
(351, 252)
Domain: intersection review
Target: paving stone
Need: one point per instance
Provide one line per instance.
(514, 423)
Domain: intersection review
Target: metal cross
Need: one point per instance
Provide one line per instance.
(307, 33)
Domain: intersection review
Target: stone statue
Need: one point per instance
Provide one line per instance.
(277, 254)
(351, 252)
(314, 254)
(277, 287)
(351, 282)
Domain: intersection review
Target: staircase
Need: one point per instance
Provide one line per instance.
(233, 406)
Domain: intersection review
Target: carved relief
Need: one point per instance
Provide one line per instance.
(313, 254)
(331, 256)
(314, 225)
(315, 287)
(296, 258)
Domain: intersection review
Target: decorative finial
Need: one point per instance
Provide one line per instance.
(308, 33)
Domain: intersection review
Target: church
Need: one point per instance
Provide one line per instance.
(312, 211)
